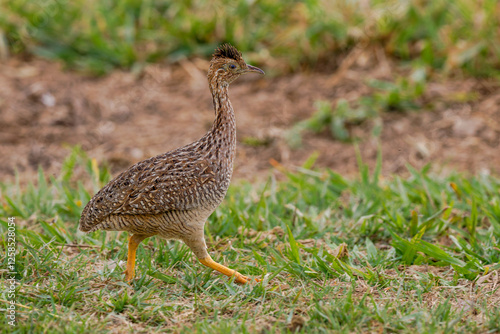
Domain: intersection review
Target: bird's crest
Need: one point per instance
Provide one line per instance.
(227, 51)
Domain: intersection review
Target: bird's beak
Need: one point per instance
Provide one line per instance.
(251, 68)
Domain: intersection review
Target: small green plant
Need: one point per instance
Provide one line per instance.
(401, 95)
(336, 120)
(256, 142)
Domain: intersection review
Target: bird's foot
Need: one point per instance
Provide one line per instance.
(238, 278)
(242, 279)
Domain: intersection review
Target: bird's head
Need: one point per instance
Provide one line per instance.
(227, 65)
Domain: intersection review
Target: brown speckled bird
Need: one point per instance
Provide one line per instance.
(172, 195)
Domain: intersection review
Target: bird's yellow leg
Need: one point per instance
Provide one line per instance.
(238, 278)
(133, 243)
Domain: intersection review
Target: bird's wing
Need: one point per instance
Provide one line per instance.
(156, 185)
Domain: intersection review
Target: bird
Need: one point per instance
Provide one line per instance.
(171, 195)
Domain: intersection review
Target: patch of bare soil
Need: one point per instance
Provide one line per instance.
(126, 117)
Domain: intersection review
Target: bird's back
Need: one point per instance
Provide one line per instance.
(183, 180)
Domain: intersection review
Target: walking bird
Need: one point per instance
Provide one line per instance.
(172, 195)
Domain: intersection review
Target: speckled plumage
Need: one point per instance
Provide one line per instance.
(171, 195)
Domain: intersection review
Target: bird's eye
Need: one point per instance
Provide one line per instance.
(232, 66)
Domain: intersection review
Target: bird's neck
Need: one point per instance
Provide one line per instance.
(224, 114)
(223, 131)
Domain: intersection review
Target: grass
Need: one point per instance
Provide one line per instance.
(448, 36)
(367, 254)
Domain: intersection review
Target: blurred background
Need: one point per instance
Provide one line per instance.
(415, 80)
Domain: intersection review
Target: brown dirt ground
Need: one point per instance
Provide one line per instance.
(126, 117)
